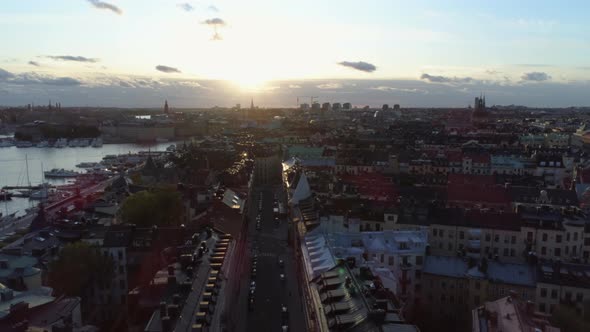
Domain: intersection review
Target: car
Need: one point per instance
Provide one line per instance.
(282, 277)
(281, 263)
(253, 284)
(253, 274)
(251, 304)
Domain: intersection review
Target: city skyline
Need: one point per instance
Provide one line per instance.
(202, 54)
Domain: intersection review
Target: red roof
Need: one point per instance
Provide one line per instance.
(456, 178)
(477, 194)
(372, 184)
(479, 158)
(455, 156)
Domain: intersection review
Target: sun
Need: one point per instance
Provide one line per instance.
(249, 83)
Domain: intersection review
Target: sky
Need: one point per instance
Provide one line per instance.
(136, 53)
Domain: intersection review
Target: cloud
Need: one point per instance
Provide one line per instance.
(72, 58)
(34, 63)
(445, 79)
(218, 22)
(5, 74)
(105, 5)
(492, 72)
(187, 7)
(329, 86)
(34, 78)
(393, 89)
(535, 76)
(166, 69)
(359, 65)
(213, 9)
(294, 86)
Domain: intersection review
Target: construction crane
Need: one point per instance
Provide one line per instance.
(311, 99)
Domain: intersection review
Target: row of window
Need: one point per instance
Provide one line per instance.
(567, 295)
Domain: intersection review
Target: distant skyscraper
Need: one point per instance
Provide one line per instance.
(252, 103)
(396, 107)
(347, 106)
(166, 106)
(385, 107)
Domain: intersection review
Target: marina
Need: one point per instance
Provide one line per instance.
(27, 188)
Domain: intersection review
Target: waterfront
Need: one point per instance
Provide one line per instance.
(13, 170)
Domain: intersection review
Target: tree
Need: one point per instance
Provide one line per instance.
(78, 267)
(566, 318)
(148, 208)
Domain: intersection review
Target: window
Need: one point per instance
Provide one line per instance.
(575, 236)
(544, 236)
(506, 238)
(543, 292)
(123, 299)
(418, 260)
(505, 251)
(120, 254)
(543, 251)
(579, 297)
(554, 293)
(542, 307)
(587, 241)
(487, 250)
(513, 240)
(121, 269)
(567, 236)
(442, 233)
(476, 299)
(443, 285)
(450, 246)
(557, 252)
(418, 274)
(382, 258)
(461, 235)
(512, 252)
(558, 238)
(390, 261)
(122, 284)
(496, 238)
(477, 285)
(435, 232)
(488, 238)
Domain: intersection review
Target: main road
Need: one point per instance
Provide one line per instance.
(271, 293)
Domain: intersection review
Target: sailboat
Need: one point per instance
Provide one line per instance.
(42, 193)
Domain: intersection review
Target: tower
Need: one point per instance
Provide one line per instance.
(166, 106)
(252, 104)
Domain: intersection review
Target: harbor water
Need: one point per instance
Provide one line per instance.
(13, 170)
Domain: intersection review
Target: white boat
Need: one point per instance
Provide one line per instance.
(61, 143)
(83, 143)
(23, 144)
(42, 144)
(171, 148)
(97, 142)
(60, 173)
(73, 143)
(6, 143)
(42, 193)
(88, 165)
(8, 218)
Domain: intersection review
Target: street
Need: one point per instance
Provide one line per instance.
(271, 292)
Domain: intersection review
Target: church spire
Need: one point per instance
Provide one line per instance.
(252, 103)
(166, 106)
